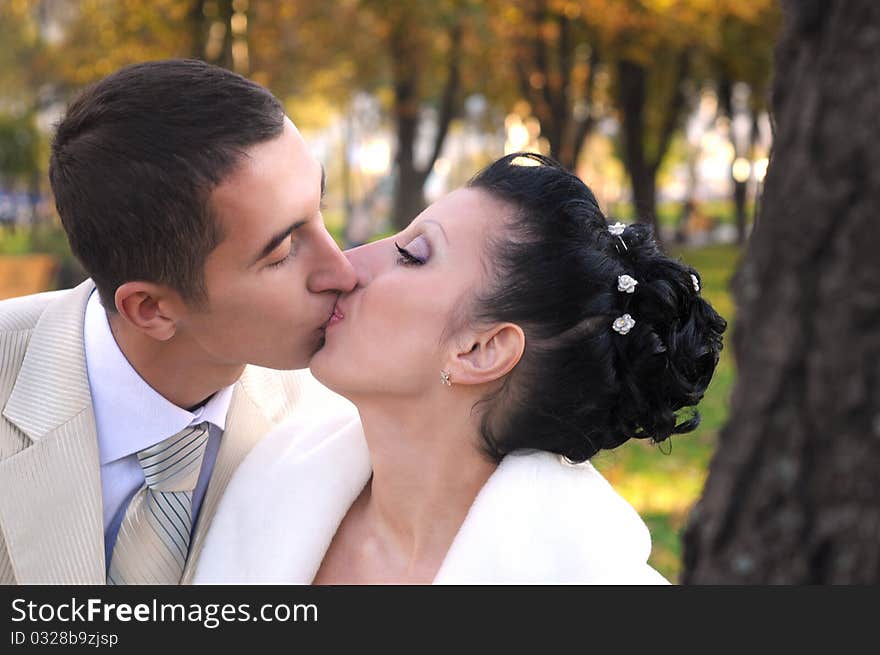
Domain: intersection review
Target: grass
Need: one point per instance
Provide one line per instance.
(663, 485)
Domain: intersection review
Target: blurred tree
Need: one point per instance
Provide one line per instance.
(425, 49)
(578, 61)
(211, 22)
(574, 61)
(664, 50)
(19, 150)
(27, 88)
(552, 60)
(408, 54)
(655, 47)
(741, 62)
(100, 36)
(21, 57)
(792, 494)
(313, 54)
(411, 37)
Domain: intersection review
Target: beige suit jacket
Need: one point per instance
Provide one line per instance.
(51, 528)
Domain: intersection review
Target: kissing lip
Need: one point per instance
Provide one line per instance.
(336, 316)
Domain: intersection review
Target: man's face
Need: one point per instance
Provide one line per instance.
(273, 280)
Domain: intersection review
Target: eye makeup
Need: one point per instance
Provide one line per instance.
(417, 251)
(406, 258)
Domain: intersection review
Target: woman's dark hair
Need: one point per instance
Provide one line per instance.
(135, 159)
(581, 386)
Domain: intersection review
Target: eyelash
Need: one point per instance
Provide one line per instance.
(281, 261)
(407, 258)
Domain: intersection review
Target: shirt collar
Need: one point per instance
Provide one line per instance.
(129, 414)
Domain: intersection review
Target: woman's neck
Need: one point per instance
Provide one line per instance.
(427, 471)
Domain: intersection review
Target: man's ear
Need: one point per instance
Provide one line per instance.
(154, 309)
(489, 355)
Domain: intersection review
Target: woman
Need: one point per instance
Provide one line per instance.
(491, 349)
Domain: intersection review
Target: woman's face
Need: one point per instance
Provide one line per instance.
(391, 333)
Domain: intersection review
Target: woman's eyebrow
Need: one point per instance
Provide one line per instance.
(442, 231)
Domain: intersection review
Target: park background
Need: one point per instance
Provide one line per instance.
(661, 106)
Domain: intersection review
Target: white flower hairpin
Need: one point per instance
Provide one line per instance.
(623, 324)
(696, 283)
(617, 230)
(626, 283)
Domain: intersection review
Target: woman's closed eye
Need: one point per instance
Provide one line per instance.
(415, 254)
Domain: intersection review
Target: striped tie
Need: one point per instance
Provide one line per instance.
(153, 539)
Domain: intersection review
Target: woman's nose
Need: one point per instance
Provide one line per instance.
(366, 261)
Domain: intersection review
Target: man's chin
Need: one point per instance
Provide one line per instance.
(289, 362)
(304, 360)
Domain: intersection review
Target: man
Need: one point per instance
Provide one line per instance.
(128, 402)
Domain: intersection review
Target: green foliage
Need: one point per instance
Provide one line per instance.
(44, 238)
(19, 147)
(47, 239)
(15, 242)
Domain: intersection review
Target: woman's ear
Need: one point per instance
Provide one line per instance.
(489, 355)
(153, 309)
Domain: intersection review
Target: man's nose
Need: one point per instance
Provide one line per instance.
(334, 272)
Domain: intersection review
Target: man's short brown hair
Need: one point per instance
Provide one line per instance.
(134, 162)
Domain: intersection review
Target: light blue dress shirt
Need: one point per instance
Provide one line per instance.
(130, 415)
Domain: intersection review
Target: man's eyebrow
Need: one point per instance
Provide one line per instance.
(276, 240)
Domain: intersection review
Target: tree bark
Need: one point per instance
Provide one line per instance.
(792, 494)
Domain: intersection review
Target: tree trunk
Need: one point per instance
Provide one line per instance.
(198, 29)
(725, 102)
(642, 167)
(409, 201)
(409, 194)
(409, 197)
(644, 184)
(225, 58)
(554, 98)
(739, 203)
(632, 96)
(792, 494)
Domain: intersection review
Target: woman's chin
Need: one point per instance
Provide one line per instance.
(323, 369)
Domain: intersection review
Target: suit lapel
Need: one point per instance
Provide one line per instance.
(50, 492)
